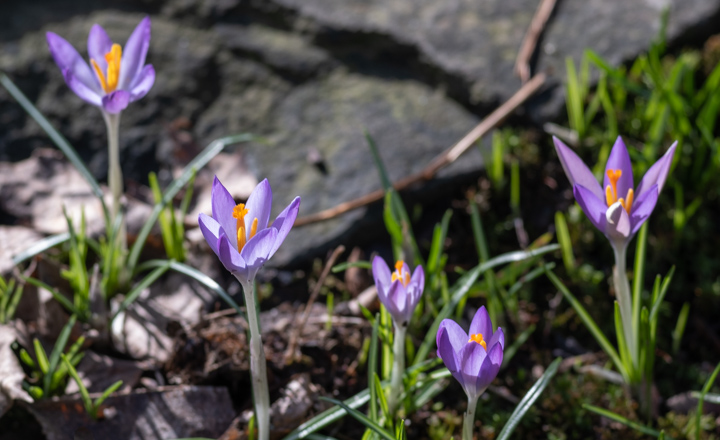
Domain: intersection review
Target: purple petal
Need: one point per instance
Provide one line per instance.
(481, 324)
(68, 59)
(115, 102)
(450, 339)
(575, 169)
(415, 290)
(222, 210)
(98, 45)
(284, 222)
(143, 83)
(617, 228)
(79, 88)
(210, 230)
(593, 207)
(489, 369)
(229, 257)
(497, 337)
(134, 53)
(643, 207)
(473, 358)
(619, 160)
(657, 174)
(259, 205)
(381, 274)
(257, 250)
(395, 303)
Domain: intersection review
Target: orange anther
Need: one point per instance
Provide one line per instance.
(478, 337)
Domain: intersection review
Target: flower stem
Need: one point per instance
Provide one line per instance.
(258, 365)
(622, 289)
(115, 177)
(398, 369)
(469, 419)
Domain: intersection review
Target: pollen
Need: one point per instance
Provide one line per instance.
(611, 195)
(400, 273)
(478, 337)
(109, 81)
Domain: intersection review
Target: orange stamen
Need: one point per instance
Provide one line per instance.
(400, 274)
(611, 195)
(110, 82)
(99, 74)
(478, 337)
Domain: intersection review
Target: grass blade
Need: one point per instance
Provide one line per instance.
(588, 321)
(618, 418)
(527, 401)
(462, 287)
(55, 136)
(41, 246)
(196, 164)
(57, 351)
(362, 418)
(327, 417)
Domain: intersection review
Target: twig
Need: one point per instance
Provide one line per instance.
(444, 159)
(537, 25)
(292, 345)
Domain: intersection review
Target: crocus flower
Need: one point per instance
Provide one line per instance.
(474, 359)
(398, 291)
(239, 234)
(116, 77)
(616, 208)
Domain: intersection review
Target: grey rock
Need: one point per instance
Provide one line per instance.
(163, 413)
(310, 76)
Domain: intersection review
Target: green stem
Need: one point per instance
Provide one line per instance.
(398, 368)
(258, 365)
(469, 419)
(622, 290)
(115, 177)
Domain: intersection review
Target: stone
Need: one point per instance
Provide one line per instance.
(310, 77)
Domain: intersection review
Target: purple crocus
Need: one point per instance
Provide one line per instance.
(398, 291)
(239, 234)
(116, 77)
(474, 359)
(616, 208)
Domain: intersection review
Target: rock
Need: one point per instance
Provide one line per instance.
(310, 76)
(142, 330)
(164, 413)
(11, 373)
(14, 239)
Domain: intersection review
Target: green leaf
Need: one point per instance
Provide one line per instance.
(328, 416)
(87, 402)
(362, 418)
(517, 343)
(57, 351)
(638, 277)
(618, 418)
(680, 327)
(41, 246)
(381, 394)
(372, 372)
(528, 400)
(701, 399)
(59, 297)
(139, 287)
(565, 242)
(462, 287)
(345, 266)
(56, 137)
(197, 276)
(41, 356)
(111, 389)
(198, 163)
(589, 323)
